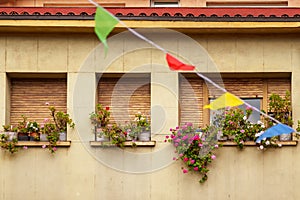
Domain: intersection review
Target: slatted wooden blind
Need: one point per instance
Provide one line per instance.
(241, 87)
(278, 86)
(191, 100)
(126, 96)
(28, 97)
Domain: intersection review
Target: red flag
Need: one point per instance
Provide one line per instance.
(175, 64)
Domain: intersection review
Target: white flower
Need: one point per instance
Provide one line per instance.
(263, 126)
(142, 118)
(268, 142)
(279, 145)
(244, 118)
(261, 147)
(259, 134)
(264, 138)
(259, 122)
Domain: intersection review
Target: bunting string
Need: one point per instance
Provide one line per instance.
(175, 64)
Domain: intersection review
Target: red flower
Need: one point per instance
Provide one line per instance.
(106, 108)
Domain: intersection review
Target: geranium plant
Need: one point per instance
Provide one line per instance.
(193, 148)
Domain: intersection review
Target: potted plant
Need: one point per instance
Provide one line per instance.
(10, 131)
(142, 127)
(100, 119)
(280, 108)
(61, 122)
(33, 129)
(117, 135)
(22, 129)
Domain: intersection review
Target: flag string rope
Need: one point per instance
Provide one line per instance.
(199, 74)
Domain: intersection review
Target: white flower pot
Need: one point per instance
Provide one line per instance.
(144, 136)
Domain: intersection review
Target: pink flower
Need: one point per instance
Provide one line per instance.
(248, 108)
(185, 159)
(174, 158)
(171, 129)
(44, 146)
(46, 120)
(176, 144)
(54, 148)
(200, 145)
(196, 137)
(230, 122)
(177, 127)
(185, 137)
(185, 171)
(216, 146)
(167, 136)
(196, 168)
(177, 140)
(25, 147)
(47, 103)
(242, 131)
(189, 124)
(181, 154)
(192, 161)
(172, 136)
(213, 157)
(165, 140)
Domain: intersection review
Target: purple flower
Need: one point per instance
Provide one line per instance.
(177, 140)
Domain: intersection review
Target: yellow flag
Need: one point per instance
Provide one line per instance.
(226, 100)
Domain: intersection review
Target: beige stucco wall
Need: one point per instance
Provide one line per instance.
(75, 172)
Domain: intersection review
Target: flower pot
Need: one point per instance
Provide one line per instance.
(285, 137)
(144, 136)
(43, 137)
(11, 135)
(100, 135)
(34, 136)
(63, 136)
(23, 137)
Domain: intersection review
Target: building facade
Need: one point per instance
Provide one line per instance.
(50, 54)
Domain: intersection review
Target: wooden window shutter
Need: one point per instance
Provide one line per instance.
(278, 86)
(28, 97)
(191, 99)
(125, 95)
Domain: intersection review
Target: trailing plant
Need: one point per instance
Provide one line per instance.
(10, 146)
(195, 151)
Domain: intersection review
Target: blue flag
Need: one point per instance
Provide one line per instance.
(274, 131)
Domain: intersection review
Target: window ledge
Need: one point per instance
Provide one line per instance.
(250, 143)
(126, 144)
(40, 144)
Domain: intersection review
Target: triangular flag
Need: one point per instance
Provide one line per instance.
(226, 100)
(274, 131)
(104, 24)
(175, 64)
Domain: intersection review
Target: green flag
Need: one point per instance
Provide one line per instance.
(104, 24)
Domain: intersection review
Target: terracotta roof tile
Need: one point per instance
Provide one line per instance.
(138, 13)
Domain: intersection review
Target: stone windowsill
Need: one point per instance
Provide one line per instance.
(126, 144)
(40, 143)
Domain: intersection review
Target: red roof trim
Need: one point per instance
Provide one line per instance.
(155, 12)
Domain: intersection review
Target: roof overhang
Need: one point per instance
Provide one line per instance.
(73, 19)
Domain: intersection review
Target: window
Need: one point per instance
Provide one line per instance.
(29, 95)
(165, 3)
(125, 94)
